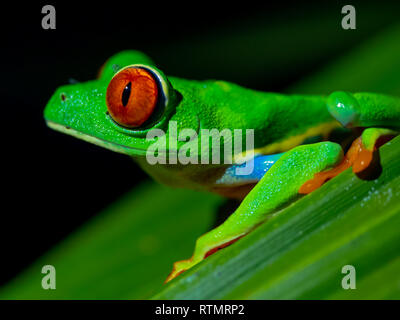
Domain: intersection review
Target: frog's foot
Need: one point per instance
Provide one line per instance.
(202, 251)
(359, 157)
(179, 267)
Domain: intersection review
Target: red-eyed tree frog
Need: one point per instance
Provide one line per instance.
(299, 141)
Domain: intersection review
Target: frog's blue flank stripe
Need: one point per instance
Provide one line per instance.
(262, 163)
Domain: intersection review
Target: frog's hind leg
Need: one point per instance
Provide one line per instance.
(365, 110)
(276, 189)
(379, 114)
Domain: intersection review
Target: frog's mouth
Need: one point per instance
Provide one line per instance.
(110, 145)
(113, 146)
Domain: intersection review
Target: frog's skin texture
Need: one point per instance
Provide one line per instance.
(286, 162)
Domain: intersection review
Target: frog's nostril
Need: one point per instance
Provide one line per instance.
(63, 97)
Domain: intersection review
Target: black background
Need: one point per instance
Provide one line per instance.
(52, 183)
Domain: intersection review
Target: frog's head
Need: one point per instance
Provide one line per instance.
(117, 110)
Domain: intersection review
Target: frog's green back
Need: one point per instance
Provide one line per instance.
(274, 117)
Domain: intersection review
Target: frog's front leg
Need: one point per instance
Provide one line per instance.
(278, 186)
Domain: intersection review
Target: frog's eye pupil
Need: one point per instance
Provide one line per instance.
(132, 96)
(126, 94)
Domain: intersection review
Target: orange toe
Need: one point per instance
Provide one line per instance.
(363, 160)
(357, 157)
(177, 269)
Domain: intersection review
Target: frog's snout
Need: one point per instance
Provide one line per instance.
(343, 106)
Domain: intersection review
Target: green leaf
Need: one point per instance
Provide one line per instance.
(127, 251)
(373, 66)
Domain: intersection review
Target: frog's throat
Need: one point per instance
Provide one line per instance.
(95, 140)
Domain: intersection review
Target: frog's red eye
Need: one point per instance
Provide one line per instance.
(132, 96)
